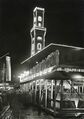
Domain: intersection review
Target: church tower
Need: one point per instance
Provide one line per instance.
(38, 31)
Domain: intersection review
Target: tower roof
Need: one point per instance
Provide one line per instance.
(38, 8)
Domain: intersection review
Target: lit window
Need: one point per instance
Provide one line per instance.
(39, 18)
(39, 38)
(39, 24)
(39, 46)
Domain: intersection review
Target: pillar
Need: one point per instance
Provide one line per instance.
(45, 93)
(40, 92)
(35, 90)
(52, 93)
(61, 95)
(55, 96)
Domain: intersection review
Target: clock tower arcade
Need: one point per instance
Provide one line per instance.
(38, 31)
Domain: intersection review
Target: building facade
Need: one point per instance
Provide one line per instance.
(55, 76)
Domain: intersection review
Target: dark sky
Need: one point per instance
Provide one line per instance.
(64, 20)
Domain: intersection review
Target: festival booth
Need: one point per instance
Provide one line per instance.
(54, 79)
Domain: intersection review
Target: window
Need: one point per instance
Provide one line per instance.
(39, 38)
(39, 46)
(39, 24)
(39, 18)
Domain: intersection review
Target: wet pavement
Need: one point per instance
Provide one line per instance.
(33, 113)
(19, 111)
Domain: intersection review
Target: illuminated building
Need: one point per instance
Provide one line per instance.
(38, 31)
(55, 76)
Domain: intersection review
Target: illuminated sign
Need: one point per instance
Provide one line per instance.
(47, 71)
(70, 69)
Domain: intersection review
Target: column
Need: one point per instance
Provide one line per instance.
(40, 92)
(55, 92)
(45, 93)
(61, 95)
(35, 90)
(32, 92)
(52, 93)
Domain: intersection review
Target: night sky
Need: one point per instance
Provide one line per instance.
(64, 20)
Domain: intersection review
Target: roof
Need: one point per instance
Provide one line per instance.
(39, 56)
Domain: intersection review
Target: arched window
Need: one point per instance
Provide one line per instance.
(39, 46)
